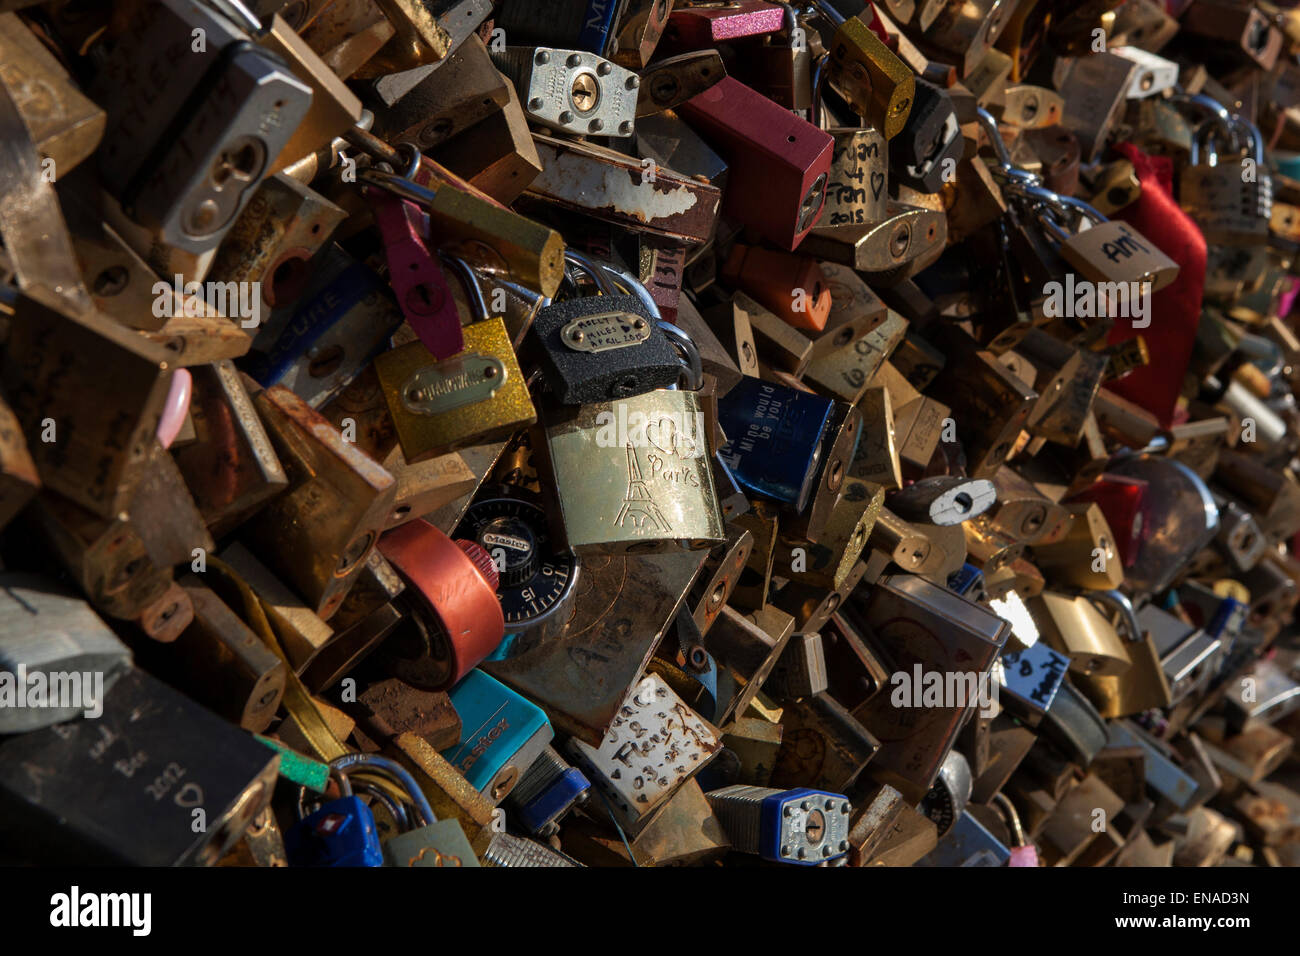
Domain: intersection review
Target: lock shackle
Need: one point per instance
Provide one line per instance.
(687, 349)
(372, 762)
(234, 10)
(1254, 143)
(1047, 197)
(1203, 139)
(395, 809)
(592, 270)
(836, 18)
(1115, 600)
(1204, 104)
(1012, 817)
(1005, 168)
(469, 281)
(625, 280)
(820, 72)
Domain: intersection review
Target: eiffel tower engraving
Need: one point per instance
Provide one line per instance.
(638, 505)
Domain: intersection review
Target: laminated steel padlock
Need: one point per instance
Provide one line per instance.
(546, 791)
(800, 826)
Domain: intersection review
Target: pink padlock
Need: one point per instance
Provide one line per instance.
(417, 278)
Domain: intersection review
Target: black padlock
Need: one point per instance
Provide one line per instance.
(602, 347)
(918, 156)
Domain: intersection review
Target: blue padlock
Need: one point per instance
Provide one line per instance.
(502, 733)
(774, 439)
(340, 833)
(549, 788)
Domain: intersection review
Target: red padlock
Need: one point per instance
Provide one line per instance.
(457, 617)
(777, 163)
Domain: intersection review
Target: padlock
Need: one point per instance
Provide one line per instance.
(829, 560)
(747, 649)
(181, 161)
(450, 630)
(302, 635)
(769, 153)
(424, 840)
(231, 468)
(800, 826)
(792, 286)
(636, 772)
(924, 627)
(428, 107)
(847, 372)
(633, 475)
(107, 559)
(1231, 202)
(635, 194)
(822, 744)
(546, 791)
(775, 439)
(127, 752)
(98, 449)
(476, 396)
(47, 681)
(502, 735)
(1120, 500)
(535, 577)
(572, 91)
(65, 126)
(603, 347)
(219, 661)
(943, 500)
(1110, 254)
(876, 83)
(640, 28)
(1095, 90)
(801, 670)
(857, 184)
(315, 348)
(930, 143)
(780, 66)
(995, 404)
(908, 240)
(703, 26)
(1249, 28)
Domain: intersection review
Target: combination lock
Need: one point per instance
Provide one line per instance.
(535, 577)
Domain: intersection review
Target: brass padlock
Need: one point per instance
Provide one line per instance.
(471, 398)
(633, 475)
(333, 512)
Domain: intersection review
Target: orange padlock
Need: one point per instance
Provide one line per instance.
(451, 593)
(789, 285)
